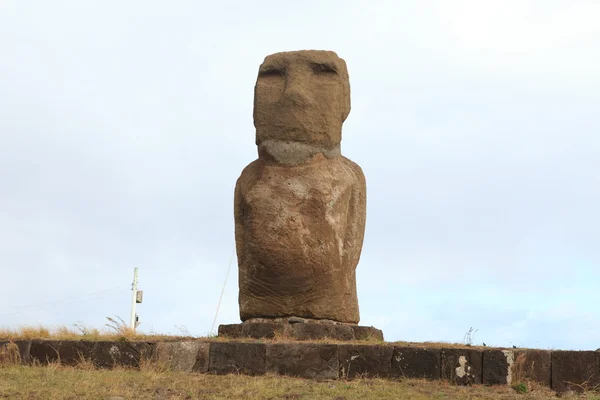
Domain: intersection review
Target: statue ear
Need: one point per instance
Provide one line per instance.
(346, 105)
(346, 91)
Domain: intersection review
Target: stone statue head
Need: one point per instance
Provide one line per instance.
(302, 97)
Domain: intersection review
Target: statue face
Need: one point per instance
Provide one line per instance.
(302, 96)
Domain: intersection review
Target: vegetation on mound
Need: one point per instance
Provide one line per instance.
(58, 382)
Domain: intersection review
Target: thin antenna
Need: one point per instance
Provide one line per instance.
(222, 291)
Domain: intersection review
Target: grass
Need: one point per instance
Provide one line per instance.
(59, 382)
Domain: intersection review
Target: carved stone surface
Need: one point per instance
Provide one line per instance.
(300, 208)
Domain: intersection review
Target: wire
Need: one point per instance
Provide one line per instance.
(94, 295)
(222, 291)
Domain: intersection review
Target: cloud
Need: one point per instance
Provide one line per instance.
(123, 128)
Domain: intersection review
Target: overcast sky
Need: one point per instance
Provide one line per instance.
(125, 124)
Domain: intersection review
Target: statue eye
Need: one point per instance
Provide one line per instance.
(271, 72)
(323, 69)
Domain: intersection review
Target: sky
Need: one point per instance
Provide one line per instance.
(124, 126)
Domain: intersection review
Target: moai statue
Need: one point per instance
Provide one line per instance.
(300, 207)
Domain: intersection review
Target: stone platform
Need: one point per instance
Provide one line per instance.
(559, 370)
(300, 331)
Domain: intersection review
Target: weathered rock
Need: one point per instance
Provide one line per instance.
(411, 362)
(243, 358)
(365, 360)
(462, 366)
(189, 356)
(68, 352)
(575, 370)
(367, 333)
(533, 365)
(300, 208)
(319, 331)
(304, 360)
(497, 367)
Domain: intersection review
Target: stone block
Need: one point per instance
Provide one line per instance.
(305, 360)
(367, 333)
(243, 358)
(415, 362)
(188, 356)
(67, 352)
(202, 359)
(497, 367)
(575, 370)
(14, 351)
(107, 354)
(255, 330)
(535, 365)
(462, 366)
(365, 360)
(233, 331)
(319, 331)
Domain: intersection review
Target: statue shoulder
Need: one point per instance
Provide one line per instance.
(249, 175)
(355, 168)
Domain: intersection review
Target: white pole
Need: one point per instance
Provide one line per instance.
(133, 298)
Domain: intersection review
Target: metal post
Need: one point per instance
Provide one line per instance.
(133, 299)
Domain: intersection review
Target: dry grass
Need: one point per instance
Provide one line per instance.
(57, 382)
(115, 329)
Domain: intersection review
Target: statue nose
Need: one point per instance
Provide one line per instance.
(295, 92)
